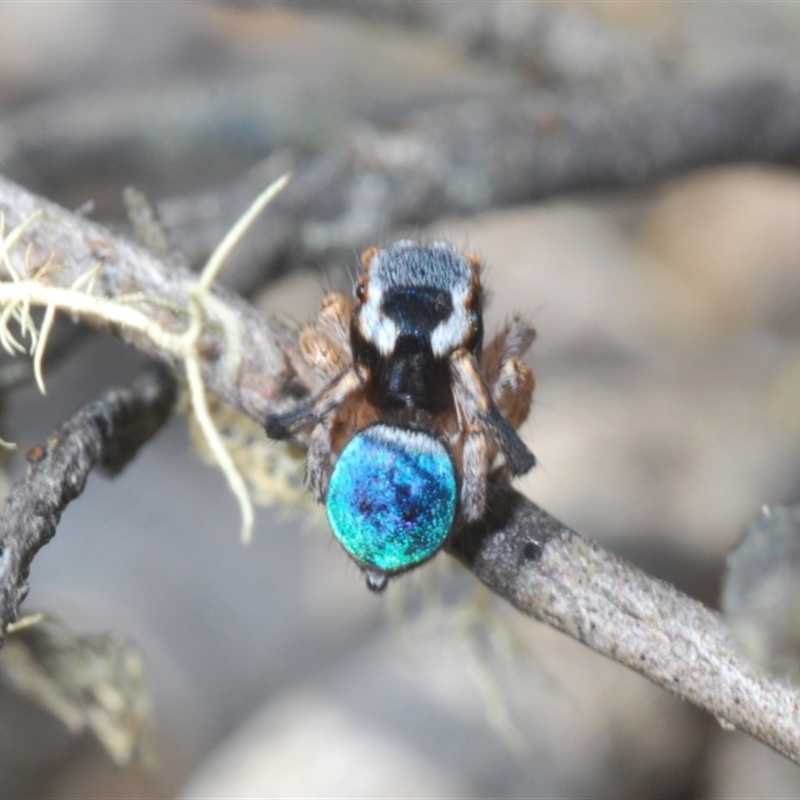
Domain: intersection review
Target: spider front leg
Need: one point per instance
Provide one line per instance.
(511, 380)
(325, 343)
(475, 468)
(479, 419)
(320, 412)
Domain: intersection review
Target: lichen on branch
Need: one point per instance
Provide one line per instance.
(29, 286)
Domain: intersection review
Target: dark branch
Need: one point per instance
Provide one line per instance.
(517, 148)
(269, 363)
(549, 41)
(468, 156)
(107, 432)
(561, 578)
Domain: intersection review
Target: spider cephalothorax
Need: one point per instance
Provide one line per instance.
(408, 390)
(414, 307)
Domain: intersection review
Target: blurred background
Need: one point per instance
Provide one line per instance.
(667, 411)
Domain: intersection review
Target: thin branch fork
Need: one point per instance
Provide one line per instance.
(107, 432)
(269, 355)
(523, 554)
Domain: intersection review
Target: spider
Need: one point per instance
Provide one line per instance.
(411, 412)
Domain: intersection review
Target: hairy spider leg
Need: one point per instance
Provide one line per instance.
(478, 416)
(320, 412)
(285, 425)
(511, 380)
(320, 448)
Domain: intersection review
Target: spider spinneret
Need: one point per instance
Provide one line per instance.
(411, 411)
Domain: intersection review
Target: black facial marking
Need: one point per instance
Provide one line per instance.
(410, 377)
(417, 310)
(417, 285)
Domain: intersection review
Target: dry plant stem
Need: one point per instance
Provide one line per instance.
(557, 576)
(107, 432)
(519, 551)
(520, 147)
(539, 38)
(81, 245)
(512, 148)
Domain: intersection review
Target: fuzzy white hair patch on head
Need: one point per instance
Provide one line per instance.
(406, 263)
(373, 324)
(409, 440)
(454, 331)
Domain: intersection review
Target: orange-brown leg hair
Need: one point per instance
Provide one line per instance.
(321, 412)
(325, 342)
(320, 449)
(478, 415)
(510, 378)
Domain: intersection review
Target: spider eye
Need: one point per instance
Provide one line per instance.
(361, 292)
(392, 497)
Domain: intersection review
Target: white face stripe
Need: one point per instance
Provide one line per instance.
(377, 328)
(454, 331)
(373, 324)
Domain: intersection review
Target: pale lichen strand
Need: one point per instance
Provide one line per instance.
(19, 292)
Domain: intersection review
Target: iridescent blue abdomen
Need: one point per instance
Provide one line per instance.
(392, 497)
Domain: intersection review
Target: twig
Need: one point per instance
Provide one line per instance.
(462, 157)
(524, 555)
(108, 432)
(521, 147)
(269, 360)
(554, 42)
(569, 582)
